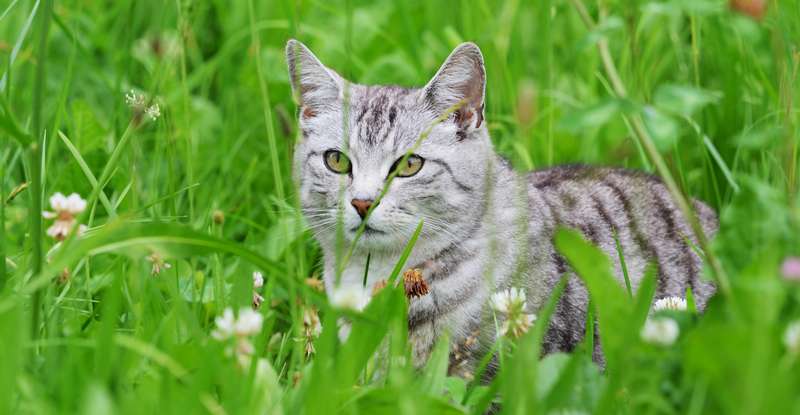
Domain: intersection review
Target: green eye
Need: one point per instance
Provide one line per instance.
(411, 166)
(337, 162)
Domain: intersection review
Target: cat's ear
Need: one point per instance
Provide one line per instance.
(315, 87)
(460, 83)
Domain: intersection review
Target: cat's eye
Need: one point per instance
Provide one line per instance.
(411, 166)
(337, 162)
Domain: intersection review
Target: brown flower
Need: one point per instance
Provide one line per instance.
(414, 284)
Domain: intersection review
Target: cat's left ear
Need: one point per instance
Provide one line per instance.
(460, 83)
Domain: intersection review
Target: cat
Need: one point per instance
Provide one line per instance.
(485, 226)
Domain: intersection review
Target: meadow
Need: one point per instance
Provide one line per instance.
(174, 122)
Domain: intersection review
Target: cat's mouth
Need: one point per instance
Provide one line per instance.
(368, 230)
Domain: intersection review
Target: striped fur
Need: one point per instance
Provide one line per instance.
(486, 227)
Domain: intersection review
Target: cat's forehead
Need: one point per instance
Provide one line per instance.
(382, 113)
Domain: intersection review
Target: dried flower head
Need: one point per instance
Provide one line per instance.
(670, 303)
(353, 297)
(791, 337)
(311, 323)
(64, 275)
(165, 46)
(315, 283)
(660, 331)
(158, 263)
(414, 284)
(65, 210)
(218, 217)
(790, 269)
(257, 300)
(311, 329)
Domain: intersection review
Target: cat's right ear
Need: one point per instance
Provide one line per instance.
(315, 87)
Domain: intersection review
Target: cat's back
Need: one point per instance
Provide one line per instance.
(625, 212)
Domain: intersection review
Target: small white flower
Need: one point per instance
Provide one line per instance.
(791, 337)
(239, 329)
(141, 104)
(258, 280)
(508, 300)
(65, 210)
(511, 304)
(670, 303)
(660, 331)
(352, 297)
(248, 323)
(516, 325)
(225, 325)
(158, 263)
(135, 100)
(153, 112)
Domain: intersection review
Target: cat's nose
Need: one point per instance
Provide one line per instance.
(362, 206)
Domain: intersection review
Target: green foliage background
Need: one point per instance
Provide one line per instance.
(715, 89)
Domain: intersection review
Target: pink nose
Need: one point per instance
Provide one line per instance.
(362, 206)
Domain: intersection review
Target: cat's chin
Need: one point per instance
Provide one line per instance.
(375, 239)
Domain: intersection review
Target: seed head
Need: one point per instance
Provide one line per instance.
(414, 284)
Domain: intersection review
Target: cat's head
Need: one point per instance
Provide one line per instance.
(355, 136)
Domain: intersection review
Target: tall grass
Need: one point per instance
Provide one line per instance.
(697, 92)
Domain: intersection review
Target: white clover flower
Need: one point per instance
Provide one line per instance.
(660, 331)
(508, 300)
(158, 263)
(238, 329)
(670, 303)
(511, 304)
(153, 112)
(258, 280)
(516, 326)
(225, 325)
(246, 324)
(65, 210)
(352, 297)
(791, 337)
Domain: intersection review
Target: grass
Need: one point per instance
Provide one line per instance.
(701, 94)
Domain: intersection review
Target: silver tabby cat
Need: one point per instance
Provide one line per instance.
(485, 226)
